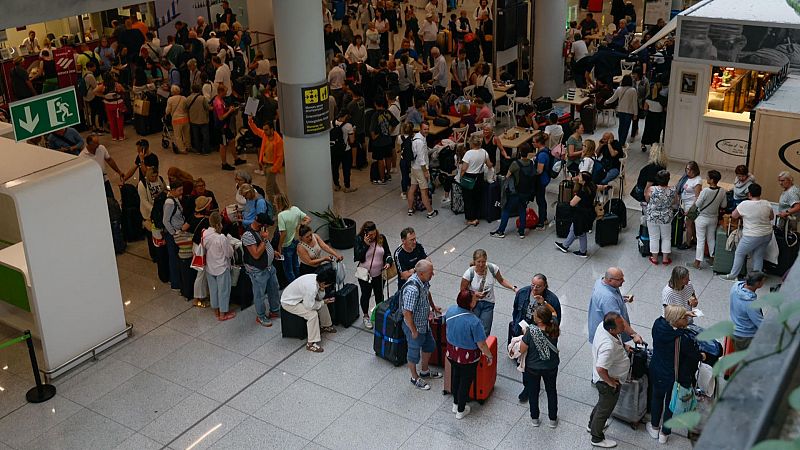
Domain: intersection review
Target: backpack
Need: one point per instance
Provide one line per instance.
(337, 138)
(157, 213)
(407, 148)
(83, 89)
(524, 184)
(238, 64)
(447, 162)
(599, 171)
(550, 166)
(92, 58)
(484, 93)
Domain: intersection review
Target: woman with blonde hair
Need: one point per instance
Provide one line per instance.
(289, 218)
(178, 108)
(647, 175)
(480, 279)
(587, 156)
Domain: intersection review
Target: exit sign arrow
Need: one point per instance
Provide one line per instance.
(29, 124)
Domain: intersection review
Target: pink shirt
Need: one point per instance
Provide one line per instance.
(376, 251)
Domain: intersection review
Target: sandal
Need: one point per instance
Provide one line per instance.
(227, 316)
(328, 330)
(666, 262)
(313, 347)
(653, 261)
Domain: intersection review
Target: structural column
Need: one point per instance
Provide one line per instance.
(550, 18)
(303, 97)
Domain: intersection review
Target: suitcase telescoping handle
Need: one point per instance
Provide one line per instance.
(785, 230)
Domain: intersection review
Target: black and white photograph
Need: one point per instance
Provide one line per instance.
(688, 83)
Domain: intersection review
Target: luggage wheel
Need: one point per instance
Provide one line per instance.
(164, 144)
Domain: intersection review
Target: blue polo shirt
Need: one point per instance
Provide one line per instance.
(465, 330)
(605, 299)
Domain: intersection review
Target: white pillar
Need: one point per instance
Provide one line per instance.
(301, 63)
(548, 64)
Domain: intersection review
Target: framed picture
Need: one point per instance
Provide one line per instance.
(688, 83)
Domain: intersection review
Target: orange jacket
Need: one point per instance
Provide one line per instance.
(276, 156)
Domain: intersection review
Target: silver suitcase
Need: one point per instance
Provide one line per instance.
(632, 404)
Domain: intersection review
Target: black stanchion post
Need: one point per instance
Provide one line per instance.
(42, 392)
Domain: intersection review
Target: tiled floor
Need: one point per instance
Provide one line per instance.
(185, 379)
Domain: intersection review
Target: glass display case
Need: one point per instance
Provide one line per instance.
(736, 90)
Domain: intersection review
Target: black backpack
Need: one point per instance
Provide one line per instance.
(484, 92)
(157, 213)
(525, 179)
(337, 138)
(407, 148)
(447, 162)
(550, 163)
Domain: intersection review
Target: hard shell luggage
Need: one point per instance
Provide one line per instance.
(632, 404)
(456, 199)
(242, 293)
(485, 378)
(162, 263)
(565, 189)
(607, 230)
(643, 241)
(723, 258)
(589, 118)
(639, 361)
(563, 219)
(444, 41)
(143, 125)
(390, 340)
(678, 229)
(361, 156)
(131, 216)
(345, 309)
(439, 330)
(490, 203)
(616, 207)
(293, 326)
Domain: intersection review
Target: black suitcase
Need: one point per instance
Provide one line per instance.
(345, 309)
(788, 246)
(361, 156)
(162, 263)
(132, 229)
(119, 240)
(390, 341)
(678, 228)
(143, 125)
(490, 202)
(293, 326)
(242, 293)
(607, 230)
(563, 219)
(643, 241)
(280, 274)
(589, 119)
(616, 207)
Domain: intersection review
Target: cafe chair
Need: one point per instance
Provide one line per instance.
(460, 135)
(507, 110)
(626, 65)
(469, 91)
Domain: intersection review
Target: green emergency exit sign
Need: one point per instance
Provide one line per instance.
(44, 113)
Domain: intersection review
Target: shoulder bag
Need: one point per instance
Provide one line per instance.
(683, 398)
(468, 183)
(363, 273)
(694, 212)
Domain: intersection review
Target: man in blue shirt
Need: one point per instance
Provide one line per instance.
(542, 167)
(417, 303)
(746, 320)
(66, 140)
(607, 298)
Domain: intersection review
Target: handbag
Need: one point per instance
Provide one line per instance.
(468, 182)
(390, 273)
(683, 398)
(362, 273)
(637, 193)
(694, 212)
(183, 240)
(236, 272)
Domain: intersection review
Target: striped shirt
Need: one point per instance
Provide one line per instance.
(681, 298)
(249, 238)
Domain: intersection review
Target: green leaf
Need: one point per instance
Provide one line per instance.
(794, 399)
(775, 444)
(717, 331)
(728, 361)
(773, 299)
(788, 312)
(687, 420)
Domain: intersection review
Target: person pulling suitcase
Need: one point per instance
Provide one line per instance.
(611, 365)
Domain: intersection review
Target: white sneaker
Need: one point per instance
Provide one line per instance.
(662, 438)
(536, 422)
(455, 408)
(446, 200)
(403, 196)
(367, 323)
(652, 431)
(605, 443)
(461, 415)
(552, 423)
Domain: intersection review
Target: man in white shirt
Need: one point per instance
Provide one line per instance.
(342, 151)
(428, 31)
(31, 43)
(212, 44)
(305, 297)
(420, 175)
(222, 75)
(101, 156)
(611, 366)
(439, 71)
(336, 78)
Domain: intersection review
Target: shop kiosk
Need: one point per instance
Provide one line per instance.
(727, 54)
(58, 272)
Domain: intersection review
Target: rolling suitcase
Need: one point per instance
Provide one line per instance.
(485, 378)
(607, 230)
(242, 293)
(589, 118)
(131, 216)
(643, 241)
(119, 240)
(787, 250)
(345, 309)
(439, 330)
(143, 125)
(280, 274)
(632, 404)
(162, 263)
(565, 189)
(389, 342)
(490, 203)
(723, 258)
(678, 229)
(293, 326)
(456, 199)
(563, 219)
(617, 207)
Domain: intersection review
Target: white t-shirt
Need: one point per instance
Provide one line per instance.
(336, 78)
(475, 159)
(688, 195)
(608, 353)
(579, 50)
(212, 45)
(223, 75)
(262, 67)
(475, 280)
(755, 217)
(420, 148)
(586, 165)
(347, 131)
(100, 157)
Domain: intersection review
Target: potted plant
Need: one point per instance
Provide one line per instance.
(341, 231)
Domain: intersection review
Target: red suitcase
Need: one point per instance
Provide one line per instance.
(439, 330)
(485, 379)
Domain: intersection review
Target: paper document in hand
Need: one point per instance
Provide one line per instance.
(251, 107)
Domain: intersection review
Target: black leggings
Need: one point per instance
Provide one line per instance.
(376, 286)
(461, 378)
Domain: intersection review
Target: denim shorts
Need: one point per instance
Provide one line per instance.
(423, 342)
